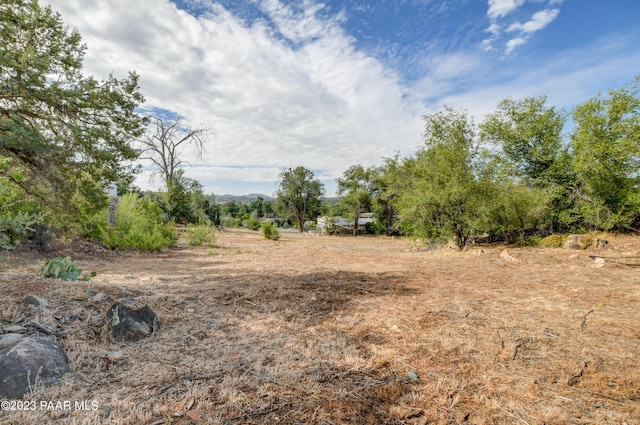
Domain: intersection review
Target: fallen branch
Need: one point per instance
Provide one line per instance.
(584, 319)
(576, 378)
(519, 345)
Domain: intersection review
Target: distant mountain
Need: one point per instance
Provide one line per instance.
(243, 199)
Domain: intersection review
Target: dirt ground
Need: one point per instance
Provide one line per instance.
(343, 330)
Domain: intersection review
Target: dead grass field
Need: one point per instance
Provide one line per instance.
(330, 330)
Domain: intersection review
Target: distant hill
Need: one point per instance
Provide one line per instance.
(243, 199)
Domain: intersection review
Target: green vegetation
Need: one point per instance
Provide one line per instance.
(138, 225)
(299, 195)
(64, 268)
(63, 135)
(270, 231)
(516, 176)
(520, 175)
(201, 235)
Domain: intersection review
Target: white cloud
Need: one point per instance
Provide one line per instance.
(501, 8)
(538, 21)
(513, 43)
(319, 103)
(498, 11)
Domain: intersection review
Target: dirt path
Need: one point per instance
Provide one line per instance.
(332, 330)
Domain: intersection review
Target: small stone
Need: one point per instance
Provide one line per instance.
(15, 329)
(100, 297)
(508, 257)
(598, 262)
(90, 292)
(112, 356)
(35, 301)
(194, 414)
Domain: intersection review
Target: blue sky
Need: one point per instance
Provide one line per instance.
(329, 84)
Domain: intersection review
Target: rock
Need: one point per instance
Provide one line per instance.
(598, 263)
(508, 257)
(601, 243)
(132, 320)
(90, 292)
(35, 301)
(576, 242)
(112, 356)
(100, 297)
(15, 329)
(194, 414)
(27, 360)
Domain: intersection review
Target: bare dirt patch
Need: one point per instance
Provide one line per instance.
(330, 330)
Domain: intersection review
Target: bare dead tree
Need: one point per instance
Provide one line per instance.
(164, 145)
(165, 142)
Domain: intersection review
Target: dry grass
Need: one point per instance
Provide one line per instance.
(324, 330)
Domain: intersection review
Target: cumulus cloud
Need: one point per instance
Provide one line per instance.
(285, 92)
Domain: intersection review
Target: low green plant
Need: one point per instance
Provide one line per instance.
(64, 268)
(553, 241)
(253, 223)
(201, 235)
(270, 231)
(138, 225)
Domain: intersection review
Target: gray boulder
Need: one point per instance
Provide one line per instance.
(132, 320)
(27, 360)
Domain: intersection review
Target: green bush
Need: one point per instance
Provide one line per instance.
(201, 235)
(553, 241)
(15, 227)
(270, 231)
(252, 223)
(64, 268)
(138, 225)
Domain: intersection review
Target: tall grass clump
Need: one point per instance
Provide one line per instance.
(270, 231)
(201, 234)
(138, 225)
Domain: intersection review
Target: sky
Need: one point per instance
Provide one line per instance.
(330, 84)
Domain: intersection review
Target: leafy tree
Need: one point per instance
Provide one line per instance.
(68, 134)
(385, 190)
(440, 195)
(298, 195)
(605, 147)
(530, 135)
(163, 145)
(355, 189)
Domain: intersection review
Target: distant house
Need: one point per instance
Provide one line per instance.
(341, 225)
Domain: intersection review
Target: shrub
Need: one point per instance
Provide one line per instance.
(252, 222)
(64, 268)
(270, 231)
(553, 241)
(15, 227)
(201, 235)
(138, 225)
